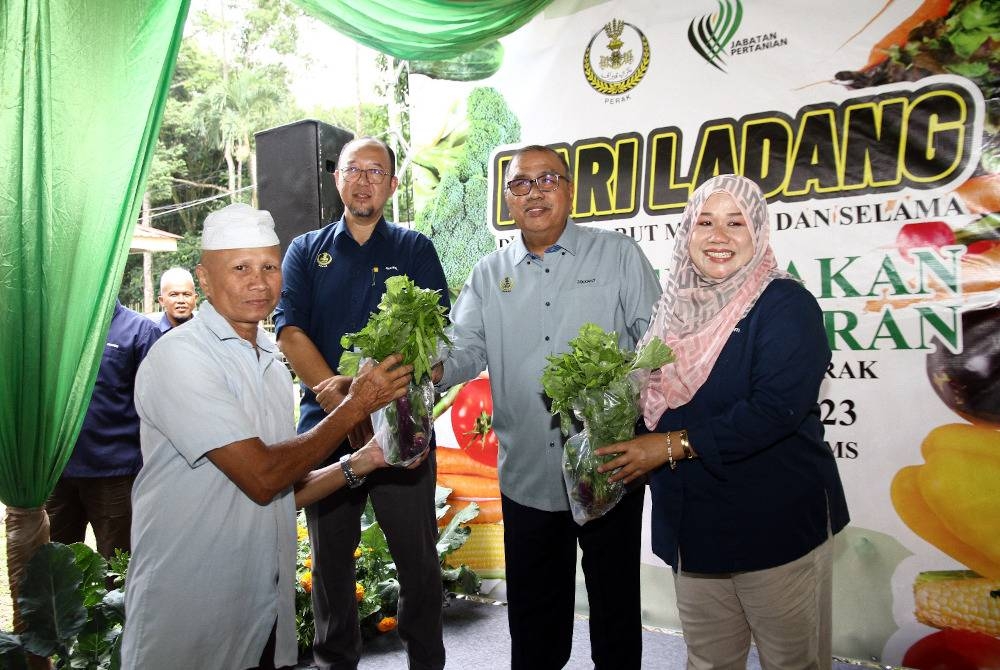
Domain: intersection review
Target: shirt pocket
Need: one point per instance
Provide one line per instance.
(116, 369)
(593, 301)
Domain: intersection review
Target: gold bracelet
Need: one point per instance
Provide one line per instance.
(670, 453)
(686, 444)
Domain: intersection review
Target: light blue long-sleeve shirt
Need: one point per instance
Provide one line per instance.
(514, 311)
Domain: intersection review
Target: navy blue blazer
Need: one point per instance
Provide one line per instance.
(765, 489)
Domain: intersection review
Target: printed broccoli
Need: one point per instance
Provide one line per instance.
(454, 217)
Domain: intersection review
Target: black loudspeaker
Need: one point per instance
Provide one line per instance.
(295, 165)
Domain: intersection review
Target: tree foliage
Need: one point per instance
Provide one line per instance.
(232, 80)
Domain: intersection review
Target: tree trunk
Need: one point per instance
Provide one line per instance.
(147, 259)
(239, 176)
(392, 138)
(357, 91)
(147, 282)
(227, 152)
(252, 163)
(27, 529)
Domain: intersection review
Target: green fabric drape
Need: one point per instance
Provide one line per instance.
(424, 29)
(82, 92)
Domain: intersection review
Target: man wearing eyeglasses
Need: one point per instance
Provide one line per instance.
(334, 279)
(520, 304)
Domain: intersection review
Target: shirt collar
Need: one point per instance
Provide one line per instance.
(223, 330)
(340, 229)
(568, 241)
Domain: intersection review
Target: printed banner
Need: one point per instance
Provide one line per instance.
(872, 128)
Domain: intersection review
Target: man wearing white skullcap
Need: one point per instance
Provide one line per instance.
(212, 574)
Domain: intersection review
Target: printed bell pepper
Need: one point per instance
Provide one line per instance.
(952, 500)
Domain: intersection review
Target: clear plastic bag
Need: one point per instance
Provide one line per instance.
(403, 427)
(608, 417)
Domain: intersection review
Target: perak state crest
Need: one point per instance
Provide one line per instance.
(617, 58)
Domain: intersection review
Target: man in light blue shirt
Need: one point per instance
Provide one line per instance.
(520, 304)
(212, 574)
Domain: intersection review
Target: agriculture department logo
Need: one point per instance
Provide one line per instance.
(324, 259)
(710, 34)
(623, 61)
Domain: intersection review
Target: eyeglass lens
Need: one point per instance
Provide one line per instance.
(375, 175)
(546, 182)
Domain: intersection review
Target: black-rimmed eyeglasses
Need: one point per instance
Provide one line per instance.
(546, 182)
(375, 175)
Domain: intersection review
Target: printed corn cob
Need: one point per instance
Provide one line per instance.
(958, 599)
(482, 551)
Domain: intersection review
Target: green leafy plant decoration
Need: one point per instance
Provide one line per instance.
(67, 611)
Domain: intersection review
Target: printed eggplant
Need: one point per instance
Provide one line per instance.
(969, 382)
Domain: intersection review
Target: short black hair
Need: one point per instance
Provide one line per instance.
(373, 140)
(532, 148)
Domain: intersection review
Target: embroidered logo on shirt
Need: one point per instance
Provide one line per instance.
(507, 285)
(324, 259)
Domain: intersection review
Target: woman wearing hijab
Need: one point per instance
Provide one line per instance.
(746, 495)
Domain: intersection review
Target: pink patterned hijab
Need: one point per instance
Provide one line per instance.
(695, 315)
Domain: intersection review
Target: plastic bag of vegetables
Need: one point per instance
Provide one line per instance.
(409, 321)
(403, 428)
(599, 384)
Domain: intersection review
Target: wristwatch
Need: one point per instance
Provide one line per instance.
(353, 481)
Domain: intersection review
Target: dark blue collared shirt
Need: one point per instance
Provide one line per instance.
(332, 285)
(164, 323)
(108, 445)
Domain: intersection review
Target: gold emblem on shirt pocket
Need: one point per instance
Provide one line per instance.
(324, 259)
(507, 285)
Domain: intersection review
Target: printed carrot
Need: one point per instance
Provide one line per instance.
(469, 486)
(456, 461)
(489, 510)
(981, 194)
(929, 10)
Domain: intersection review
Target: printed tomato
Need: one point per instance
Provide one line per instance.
(932, 234)
(952, 649)
(472, 421)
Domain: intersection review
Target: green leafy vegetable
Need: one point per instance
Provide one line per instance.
(410, 321)
(594, 361)
(594, 382)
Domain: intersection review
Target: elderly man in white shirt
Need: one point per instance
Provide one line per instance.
(211, 579)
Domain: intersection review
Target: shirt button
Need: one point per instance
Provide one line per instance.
(547, 304)
(552, 444)
(546, 270)
(546, 338)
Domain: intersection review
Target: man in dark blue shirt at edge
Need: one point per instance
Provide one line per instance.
(334, 279)
(96, 486)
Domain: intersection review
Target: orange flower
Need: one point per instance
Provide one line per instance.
(357, 553)
(386, 624)
(307, 562)
(306, 580)
(359, 591)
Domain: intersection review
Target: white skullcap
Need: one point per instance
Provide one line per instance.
(238, 226)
